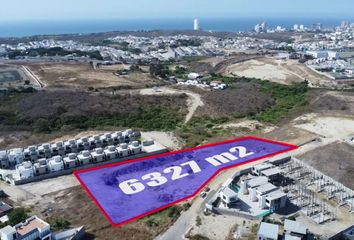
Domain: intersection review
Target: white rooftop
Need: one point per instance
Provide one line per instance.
(294, 227)
(229, 192)
(271, 172)
(268, 230)
(257, 181)
(266, 188)
(275, 195)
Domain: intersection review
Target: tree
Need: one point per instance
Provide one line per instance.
(18, 215)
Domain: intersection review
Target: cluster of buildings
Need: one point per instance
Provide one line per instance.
(36, 228)
(254, 189)
(292, 231)
(64, 156)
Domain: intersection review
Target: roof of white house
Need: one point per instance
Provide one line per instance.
(7, 230)
(263, 166)
(268, 230)
(266, 188)
(257, 181)
(294, 227)
(275, 195)
(271, 172)
(228, 192)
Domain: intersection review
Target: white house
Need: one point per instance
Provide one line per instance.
(25, 170)
(83, 144)
(268, 231)
(228, 196)
(84, 157)
(44, 151)
(31, 153)
(111, 153)
(31, 229)
(4, 160)
(15, 156)
(70, 161)
(98, 155)
(41, 167)
(123, 150)
(56, 164)
(135, 147)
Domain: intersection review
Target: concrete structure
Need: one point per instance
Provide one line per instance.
(30, 153)
(84, 158)
(56, 164)
(98, 155)
(15, 157)
(83, 144)
(123, 150)
(294, 230)
(4, 160)
(35, 228)
(228, 196)
(257, 169)
(25, 170)
(135, 147)
(45, 151)
(111, 153)
(70, 161)
(266, 194)
(71, 146)
(268, 231)
(41, 167)
(58, 148)
(32, 229)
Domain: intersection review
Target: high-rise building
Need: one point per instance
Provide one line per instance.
(196, 26)
(296, 27)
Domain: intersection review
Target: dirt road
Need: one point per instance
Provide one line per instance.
(194, 100)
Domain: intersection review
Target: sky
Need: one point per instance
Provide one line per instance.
(56, 10)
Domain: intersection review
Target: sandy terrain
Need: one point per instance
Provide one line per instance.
(280, 71)
(83, 76)
(335, 128)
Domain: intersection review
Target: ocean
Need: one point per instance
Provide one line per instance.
(30, 28)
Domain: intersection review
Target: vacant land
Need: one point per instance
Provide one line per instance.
(12, 76)
(84, 76)
(67, 110)
(76, 206)
(276, 70)
(334, 160)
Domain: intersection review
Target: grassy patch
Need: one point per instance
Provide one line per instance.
(199, 129)
(63, 111)
(286, 97)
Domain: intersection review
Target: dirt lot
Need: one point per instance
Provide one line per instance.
(231, 102)
(82, 75)
(74, 204)
(335, 160)
(280, 71)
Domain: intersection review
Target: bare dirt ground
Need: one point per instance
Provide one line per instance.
(280, 71)
(335, 160)
(80, 75)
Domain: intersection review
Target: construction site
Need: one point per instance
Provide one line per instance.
(281, 188)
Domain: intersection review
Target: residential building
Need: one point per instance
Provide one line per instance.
(228, 196)
(32, 229)
(294, 230)
(84, 157)
(4, 160)
(268, 231)
(25, 170)
(56, 164)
